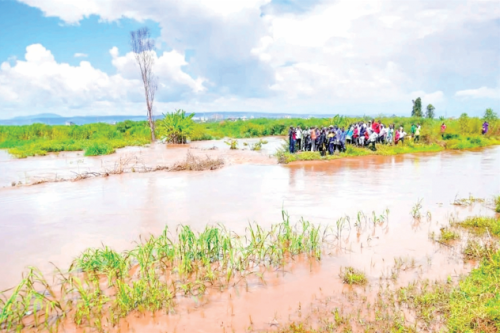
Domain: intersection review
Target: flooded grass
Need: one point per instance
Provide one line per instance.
(194, 163)
(481, 225)
(103, 286)
(350, 275)
(470, 304)
(448, 235)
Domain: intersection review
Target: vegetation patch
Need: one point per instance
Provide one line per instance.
(477, 249)
(151, 276)
(98, 148)
(94, 139)
(448, 235)
(349, 275)
(481, 225)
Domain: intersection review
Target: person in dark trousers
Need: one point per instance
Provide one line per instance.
(322, 142)
(343, 135)
(306, 137)
(291, 138)
(298, 135)
(331, 138)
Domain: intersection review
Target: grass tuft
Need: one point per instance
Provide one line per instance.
(349, 275)
(482, 225)
(448, 235)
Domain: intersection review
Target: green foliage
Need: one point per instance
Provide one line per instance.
(475, 305)
(430, 111)
(447, 235)
(482, 225)
(417, 108)
(490, 116)
(176, 126)
(40, 139)
(233, 144)
(497, 203)
(349, 275)
(98, 148)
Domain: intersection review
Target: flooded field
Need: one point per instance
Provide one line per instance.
(55, 222)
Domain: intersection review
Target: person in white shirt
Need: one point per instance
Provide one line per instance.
(298, 138)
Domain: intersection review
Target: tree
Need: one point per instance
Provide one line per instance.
(417, 108)
(463, 123)
(143, 47)
(176, 126)
(430, 111)
(490, 116)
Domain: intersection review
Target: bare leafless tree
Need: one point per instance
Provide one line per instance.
(143, 47)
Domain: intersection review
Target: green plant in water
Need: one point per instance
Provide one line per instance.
(447, 235)
(415, 211)
(349, 275)
(233, 144)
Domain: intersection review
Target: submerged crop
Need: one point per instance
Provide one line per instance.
(155, 273)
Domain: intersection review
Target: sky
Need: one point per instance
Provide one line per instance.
(352, 57)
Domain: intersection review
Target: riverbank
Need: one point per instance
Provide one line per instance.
(408, 147)
(103, 139)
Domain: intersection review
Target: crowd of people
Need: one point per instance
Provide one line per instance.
(361, 134)
(336, 138)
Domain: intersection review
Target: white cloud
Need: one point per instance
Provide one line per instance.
(167, 68)
(333, 53)
(428, 98)
(73, 11)
(39, 82)
(80, 55)
(483, 92)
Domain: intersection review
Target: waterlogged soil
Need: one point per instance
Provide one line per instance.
(57, 221)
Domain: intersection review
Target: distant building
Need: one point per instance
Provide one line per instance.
(287, 117)
(217, 116)
(69, 123)
(244, 118)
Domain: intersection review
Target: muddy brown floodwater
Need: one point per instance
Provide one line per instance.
(57, 221)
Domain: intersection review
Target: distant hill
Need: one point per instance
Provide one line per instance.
(40, 115)
(55, 119)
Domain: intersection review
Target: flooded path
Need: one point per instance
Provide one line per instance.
(55, 222)
(66, 165)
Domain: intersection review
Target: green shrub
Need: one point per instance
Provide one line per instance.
(98, 148)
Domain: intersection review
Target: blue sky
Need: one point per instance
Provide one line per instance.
(24, 25)
(349, 57)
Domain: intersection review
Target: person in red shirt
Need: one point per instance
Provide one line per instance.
(376, 126)
(443, 128)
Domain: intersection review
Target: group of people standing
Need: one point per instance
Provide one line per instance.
(335, 138)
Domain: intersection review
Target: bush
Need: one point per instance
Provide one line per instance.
(98, 148)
